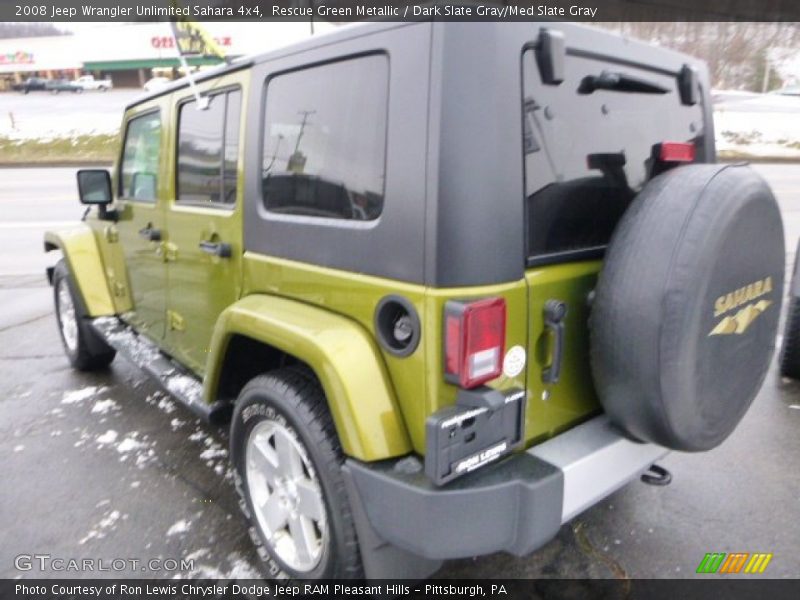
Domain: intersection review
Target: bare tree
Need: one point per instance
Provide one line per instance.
(736, 52)
(19, 30)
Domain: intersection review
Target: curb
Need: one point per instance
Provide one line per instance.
(758, 159)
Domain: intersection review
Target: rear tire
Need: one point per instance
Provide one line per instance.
(85, 350)
(790, 353)
(287, 462)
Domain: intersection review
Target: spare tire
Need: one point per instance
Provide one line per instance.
(686, 308)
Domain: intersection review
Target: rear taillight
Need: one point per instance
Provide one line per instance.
(676, 152)
(475, 338)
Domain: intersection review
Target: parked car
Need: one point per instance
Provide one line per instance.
(88, 82)
(791, 90)
(156, 83)
(445, 299)
(56, 86)
(32, 84)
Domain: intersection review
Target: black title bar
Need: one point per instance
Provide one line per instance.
(394, 10)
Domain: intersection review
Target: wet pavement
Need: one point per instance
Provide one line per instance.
(104, 466)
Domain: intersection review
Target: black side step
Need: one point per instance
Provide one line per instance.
(174, 378)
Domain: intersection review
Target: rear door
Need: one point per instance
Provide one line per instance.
(140, 228)
(589, 148)
(204, 220)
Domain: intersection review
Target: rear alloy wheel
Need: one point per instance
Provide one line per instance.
(85, 350)
(286, 495)
(287, 461)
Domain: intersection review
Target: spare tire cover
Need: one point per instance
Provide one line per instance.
(686, 308)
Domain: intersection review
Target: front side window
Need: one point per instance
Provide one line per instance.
(208, 150)
(324, 147)
(141, 158)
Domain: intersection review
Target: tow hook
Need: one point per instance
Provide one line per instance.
(657, 475)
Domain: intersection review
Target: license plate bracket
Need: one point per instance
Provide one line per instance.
(483, 426)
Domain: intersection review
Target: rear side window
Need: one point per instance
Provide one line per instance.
(324, 149)
(208, 150)
(589, 151)
(141, 158)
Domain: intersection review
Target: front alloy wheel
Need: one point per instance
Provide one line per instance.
(67, 321)
(85, 350)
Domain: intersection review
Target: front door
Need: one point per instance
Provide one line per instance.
(140, 228)
(204, 222)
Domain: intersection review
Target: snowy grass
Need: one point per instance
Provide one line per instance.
(77, 148)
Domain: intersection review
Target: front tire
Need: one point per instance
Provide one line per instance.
(85, 350)
(287, 461)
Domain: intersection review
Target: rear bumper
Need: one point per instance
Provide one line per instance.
(514, 506)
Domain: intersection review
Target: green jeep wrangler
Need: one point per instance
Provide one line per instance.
(451, 284)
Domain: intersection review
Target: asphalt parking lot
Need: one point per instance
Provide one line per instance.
(105, 466)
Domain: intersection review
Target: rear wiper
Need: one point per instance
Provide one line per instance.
(619, 82)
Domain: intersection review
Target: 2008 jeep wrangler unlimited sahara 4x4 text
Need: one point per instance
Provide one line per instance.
(451, 283)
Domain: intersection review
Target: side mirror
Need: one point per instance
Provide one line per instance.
(94, 186)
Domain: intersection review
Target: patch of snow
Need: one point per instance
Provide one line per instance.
(200, 553)
(197, 436)
(130, 444)
(19, 448)
(104, 406)
(186, 387)
(213, 451)
(764, 126)
(241, 568)
(100, 530)
(109, 437)
(135, 484)
(179, 527)
(167, 405)
(55, 433)
(76, 396)
(795, 406)
(176, 424)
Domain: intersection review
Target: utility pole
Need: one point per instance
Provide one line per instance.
(303, 124)
(765, 83)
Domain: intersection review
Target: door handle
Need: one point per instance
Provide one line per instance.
(554, 313)
(151, 234)
(216, 249)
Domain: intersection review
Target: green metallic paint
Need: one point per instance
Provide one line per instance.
(200, 285)
(80, 250)
(418, 379)
(552, 408)
(342, 355)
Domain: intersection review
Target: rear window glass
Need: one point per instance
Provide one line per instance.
(588, 151)
(324, 147)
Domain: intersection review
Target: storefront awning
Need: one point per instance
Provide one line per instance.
(147, 63)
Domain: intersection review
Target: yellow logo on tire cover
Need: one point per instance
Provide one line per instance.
(751, 295)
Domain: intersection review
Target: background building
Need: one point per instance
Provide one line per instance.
(130, 54)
